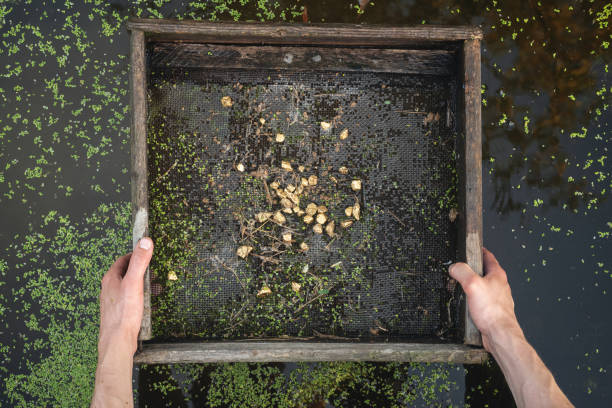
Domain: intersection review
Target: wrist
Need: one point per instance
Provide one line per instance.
(118, 341)
(502, 334)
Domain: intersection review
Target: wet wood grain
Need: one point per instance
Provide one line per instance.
(285, 351)
(216, 56)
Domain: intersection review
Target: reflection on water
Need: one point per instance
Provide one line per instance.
(544, 78)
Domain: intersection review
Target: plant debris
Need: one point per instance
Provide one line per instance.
(329, 228)
(344, 134)
(321, 218)
(244, 251)
(264, 291)
(226, 102)
(286, 165)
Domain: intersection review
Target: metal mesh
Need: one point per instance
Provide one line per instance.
(381, 278)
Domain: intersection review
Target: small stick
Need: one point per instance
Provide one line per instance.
(299, 309)
(268, 196)
(266, 259)
(397, 218)
(232, 271)
(331, 336)
(328, 246)
(159, 178)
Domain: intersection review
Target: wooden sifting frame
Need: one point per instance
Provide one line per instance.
(409, 40)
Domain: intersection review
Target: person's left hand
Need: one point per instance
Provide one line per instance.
(121, 299)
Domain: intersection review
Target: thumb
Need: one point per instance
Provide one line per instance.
(139, 261)
(463, 274)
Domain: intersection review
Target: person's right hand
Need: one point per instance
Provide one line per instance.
(489, 298)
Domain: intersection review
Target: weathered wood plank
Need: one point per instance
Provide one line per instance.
(329, 34)
(140, 199)
(283, 351)
(191, 55)
(473, 171)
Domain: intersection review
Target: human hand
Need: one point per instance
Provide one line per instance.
(121, 304)
(489, 298)
(121, 298)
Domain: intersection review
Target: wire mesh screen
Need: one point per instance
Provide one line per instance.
(311, 204)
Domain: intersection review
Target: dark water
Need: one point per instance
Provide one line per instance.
(546, 123)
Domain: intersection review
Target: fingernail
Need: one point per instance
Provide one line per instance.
(145, 243)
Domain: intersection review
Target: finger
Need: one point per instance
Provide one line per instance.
(139, 262)
(117, 269)
(463, 274)
(491, 265)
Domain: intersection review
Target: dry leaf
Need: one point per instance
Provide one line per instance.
(294, 198)
(312, 180)
(321, 218)
(329, 228)
(264, 291)
(286, 165)
(356, 211)
(280, 218)
(244, 251)
(296, 287)
(286, 203)
(172, 276)
(304, 246)
(325, 126)
(311, 209)
(263, 216)
(344, 134)
(226, 101)
(280, 138)
(346, 223)
(356, 185)
(452, 214)
(318, 228)
(287, 237)
(348, 211)
(343, 170)
(240, 167)
(308, 219)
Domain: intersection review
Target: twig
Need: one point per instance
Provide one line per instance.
(299, 309)
(232, 271)
(160, 177)
(331, 336)
(266, 259)
(396, 218)
(328, 246)
(268, 196)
